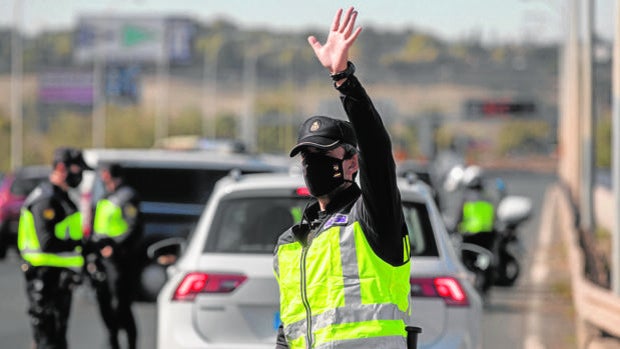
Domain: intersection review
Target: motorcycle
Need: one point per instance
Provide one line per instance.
(512, 212)
(500, 264)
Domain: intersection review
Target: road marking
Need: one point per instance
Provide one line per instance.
(538, 274)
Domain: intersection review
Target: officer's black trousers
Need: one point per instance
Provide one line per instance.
(115, 295)
(49, 297)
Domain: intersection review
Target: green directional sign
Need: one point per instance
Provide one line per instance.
(133, 35)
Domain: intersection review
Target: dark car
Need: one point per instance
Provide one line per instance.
(14, 189)
(173, 186)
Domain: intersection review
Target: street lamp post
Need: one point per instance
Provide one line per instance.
(209, 95)
(615, 268)
(16, 88)
(247, 127)
(587, 121)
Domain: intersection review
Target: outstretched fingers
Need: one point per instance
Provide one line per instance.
(336, 23)
(352, 38)
(350, 23)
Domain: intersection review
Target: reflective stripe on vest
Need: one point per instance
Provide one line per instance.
(109, 219)
(336, 292)
(29, 247)
(478, 216)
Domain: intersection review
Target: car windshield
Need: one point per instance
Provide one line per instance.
(252, 225)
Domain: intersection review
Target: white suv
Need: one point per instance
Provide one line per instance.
(222, 292)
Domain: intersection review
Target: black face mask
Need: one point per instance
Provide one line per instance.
(322, 173)
(74, 179)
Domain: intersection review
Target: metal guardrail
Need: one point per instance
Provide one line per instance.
(595, 305)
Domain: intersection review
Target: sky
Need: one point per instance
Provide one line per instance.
(490, 20)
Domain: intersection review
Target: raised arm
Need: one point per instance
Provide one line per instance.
(334, 53)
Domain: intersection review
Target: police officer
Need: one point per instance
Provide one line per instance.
(476, 221)
(344, 271)
(117, 227)
(49, 241)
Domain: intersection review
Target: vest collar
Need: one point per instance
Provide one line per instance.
(314, 217)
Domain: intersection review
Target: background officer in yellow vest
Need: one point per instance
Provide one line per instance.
(476, 220)
(117, 227)
(344, 271)
(49, 242)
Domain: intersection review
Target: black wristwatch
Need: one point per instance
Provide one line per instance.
(345, 73)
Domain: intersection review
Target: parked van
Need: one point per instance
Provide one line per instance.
(173, 186)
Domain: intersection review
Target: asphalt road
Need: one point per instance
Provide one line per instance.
(536, 312)
(529, 315)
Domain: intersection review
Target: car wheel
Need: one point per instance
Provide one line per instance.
(4, 243)
(152, 279)
(508, 272)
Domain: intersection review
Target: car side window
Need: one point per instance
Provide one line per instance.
(419, 227)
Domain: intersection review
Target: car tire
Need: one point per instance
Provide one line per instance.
(4, 242)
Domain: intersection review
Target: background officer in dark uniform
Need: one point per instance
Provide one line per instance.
(49, 242)
(117, 227)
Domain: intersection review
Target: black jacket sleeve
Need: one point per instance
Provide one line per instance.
(381, 210)
(133, 218)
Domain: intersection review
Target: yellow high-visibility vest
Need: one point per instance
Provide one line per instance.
(337, 293)
(29, 247)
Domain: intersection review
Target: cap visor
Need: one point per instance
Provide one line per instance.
(316, 142)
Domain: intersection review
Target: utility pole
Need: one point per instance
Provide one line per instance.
(17, 130)
(99, 99)
(570, 143)
(587, 112)
(247, 128)
(615, 160)
(162, 79)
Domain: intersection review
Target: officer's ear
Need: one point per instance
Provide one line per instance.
(352, 165)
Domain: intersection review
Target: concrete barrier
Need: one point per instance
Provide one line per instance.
(597, 308)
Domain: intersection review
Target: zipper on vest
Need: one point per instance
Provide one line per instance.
(304, 296)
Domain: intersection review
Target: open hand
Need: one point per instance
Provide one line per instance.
(334, 53)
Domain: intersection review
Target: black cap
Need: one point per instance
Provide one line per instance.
(70, 156)
(324, 133)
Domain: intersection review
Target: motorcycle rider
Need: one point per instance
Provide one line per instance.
(476, 220)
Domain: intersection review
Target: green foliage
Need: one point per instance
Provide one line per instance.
(188, 123)
(418, 49)
(522, 136)
(64, 129)
(226, 126)
(129, 127)
(443, 137)
(603, 142)
(405, 140)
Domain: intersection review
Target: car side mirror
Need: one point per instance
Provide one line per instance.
(167, 250)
